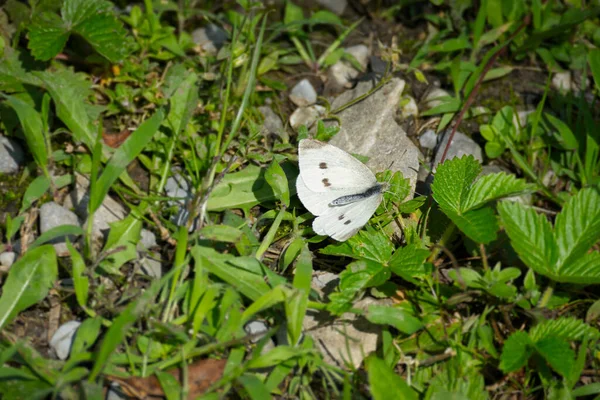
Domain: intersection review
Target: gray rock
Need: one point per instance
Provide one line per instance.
(7, 258)
(151, 267)
(303, 94)
(369, 129)
(115, 392)
(335, 6)
(343, 72)
(147, 240)
(345, 340)
(428, 140)
(63, 339)
(53, 215)
(179, 188)
(210, 38)
(258, 328)
(110, 211)
(11, 156)
(562, 81)
(408, 107)
(325, 282)
(432, 98)
(461, 145)
(306, 116)
(272, 126)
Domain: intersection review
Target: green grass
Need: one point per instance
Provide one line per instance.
(482, 296)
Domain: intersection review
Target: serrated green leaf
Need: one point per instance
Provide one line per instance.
(47, 36)
(368, 244)
(452, 183)
(516, 351)
(408, 262)
(584, 270)
(479, 225)
(530, 235)
(557, 353)
(28, 282)
(577, 226)
(567, 328)
(385, 384)
(491, 187)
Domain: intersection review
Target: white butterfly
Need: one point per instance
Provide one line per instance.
(337, 188)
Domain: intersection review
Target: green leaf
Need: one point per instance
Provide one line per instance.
(183, 100)
(68, 94)
(295, 308)
(276, 178)
(47, 36)
(33, 128)
(408, 263)
(394, 316)
(531, 236)
(121, 243)
(566, 328)
(492, 187)
(479, 225)
(245, 274)
(123, 156)
(577, 226)
(57, 232)
(292, 16)
(568, 139)
(86, 335)
(368, 244)
(120, 326)
(28, 282)
(80, 280)
(516, 351)
(169, 385)
(221, 233)
(254, 387)
(594, 61)
(453, 181)
(385, 384)
(557, 353)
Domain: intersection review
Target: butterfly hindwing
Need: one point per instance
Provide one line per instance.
(324, 168)
(343, 222)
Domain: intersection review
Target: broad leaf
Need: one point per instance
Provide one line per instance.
(385, 383)
(557, 353)
(409, 263)
(568, 328)
(516, 351)
(394, 316)
(453, 181)
(28, 282)
(492, 187)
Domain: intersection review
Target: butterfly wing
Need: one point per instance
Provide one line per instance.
(318, 202)
(343, 222)
(326, 168)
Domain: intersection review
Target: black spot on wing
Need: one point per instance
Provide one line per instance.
(323, 165)
(347, 222)
(326, 182)
(341, 217)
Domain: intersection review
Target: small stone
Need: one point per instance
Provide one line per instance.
(428, 140)
(335, 6)
(343, 72)
(272, 125)
(461, 145)
(7, 258)
(63, 339)
(11, 156)
(210, 38)
(53, 215)
(562, 81)
(432, 99)
(324, 281)
(303, 94)
(110, 211)
(151, 267)
(408, 107)
(147, 240)
(258, 328)
(179, 188)
(306, 116)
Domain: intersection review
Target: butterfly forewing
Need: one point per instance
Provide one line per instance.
(325, 167)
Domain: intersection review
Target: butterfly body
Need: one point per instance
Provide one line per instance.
(338, 189)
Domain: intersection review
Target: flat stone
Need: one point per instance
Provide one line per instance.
(461, 145)
(179, 188)
(272, 125)
(335, 6)
(11, 156)
(62, 340)
(408, 107)
(151, 267)
(343, 72)
(428, 140)
(306, 116)
(53, 215)
(303, 94)
(433, 97)
(562, 81)
(210, 38)
(7, 258)
(147, 240)
(369, 129)
(110, 211)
